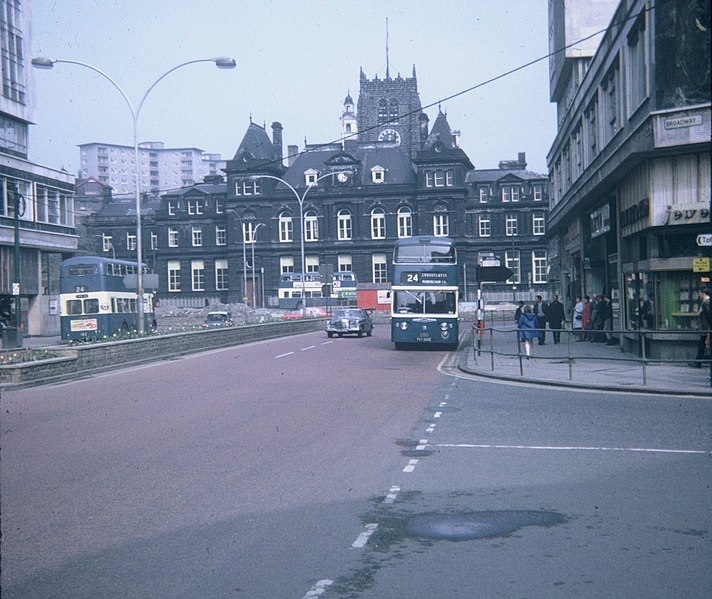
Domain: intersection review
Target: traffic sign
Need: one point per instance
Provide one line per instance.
(704, 239)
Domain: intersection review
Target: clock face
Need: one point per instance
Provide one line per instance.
(343, 177)
(390, 135)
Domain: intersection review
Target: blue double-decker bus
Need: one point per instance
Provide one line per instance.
(424, 293)
(98, 298)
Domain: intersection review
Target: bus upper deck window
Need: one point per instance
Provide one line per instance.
(91, 306)
(74, 307)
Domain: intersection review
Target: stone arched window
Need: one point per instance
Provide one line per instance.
(286, 227)
(405, 222)
(344, 225)
(378, 223)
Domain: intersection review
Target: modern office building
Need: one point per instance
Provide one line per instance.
(630, 164)
(36, 202)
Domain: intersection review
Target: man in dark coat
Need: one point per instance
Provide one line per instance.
(540, 308)
(555, 315)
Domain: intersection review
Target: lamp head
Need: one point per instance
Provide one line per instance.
(40, 62)
(225, 62)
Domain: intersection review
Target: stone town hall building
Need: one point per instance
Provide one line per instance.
(391, 176)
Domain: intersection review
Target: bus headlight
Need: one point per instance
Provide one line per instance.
(403, 326)
(443, 326)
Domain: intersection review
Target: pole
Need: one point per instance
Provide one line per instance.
(254, 240)
(16, 267)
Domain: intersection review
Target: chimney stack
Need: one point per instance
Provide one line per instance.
(277, 140)
(292, 153)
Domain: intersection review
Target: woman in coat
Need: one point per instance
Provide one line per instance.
(526, 326)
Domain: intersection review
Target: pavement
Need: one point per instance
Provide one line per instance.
(580, 364)
(576, 364)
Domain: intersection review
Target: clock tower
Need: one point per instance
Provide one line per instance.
(389, 111)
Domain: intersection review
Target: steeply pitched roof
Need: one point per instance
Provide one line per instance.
(440, 132)
(257, 143)
(362, 156)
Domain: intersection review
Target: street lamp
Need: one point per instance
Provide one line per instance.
(254, 240)
(244, 257)
(221, 62)
(300, 198)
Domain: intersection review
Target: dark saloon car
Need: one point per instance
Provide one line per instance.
(349, 321)
(218, 319)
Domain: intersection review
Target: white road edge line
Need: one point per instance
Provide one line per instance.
(574, 448)
(318, 589)
(362, 539)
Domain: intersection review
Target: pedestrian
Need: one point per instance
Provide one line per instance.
(539, 310)
(556, 316)
(518, 312)
(527, 326)
(577, 318)
(597, 314)
(647, 314)
(586, 319)
(606, 315)
(703, 326)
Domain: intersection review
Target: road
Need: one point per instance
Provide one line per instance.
(338, 468)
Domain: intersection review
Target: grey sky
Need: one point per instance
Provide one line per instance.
(297, 60)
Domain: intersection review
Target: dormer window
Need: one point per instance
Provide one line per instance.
(310, 177)
(247, 187)
(378, 174)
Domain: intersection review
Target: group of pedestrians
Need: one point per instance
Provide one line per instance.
(592, 318)
(532, 320)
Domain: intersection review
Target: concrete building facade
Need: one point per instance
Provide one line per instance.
(36, 203)
(630, 164)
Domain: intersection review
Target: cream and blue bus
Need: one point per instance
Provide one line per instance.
(98, 298)
(424, 293)
(342, 291)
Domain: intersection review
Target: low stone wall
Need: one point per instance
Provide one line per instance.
(93, 357)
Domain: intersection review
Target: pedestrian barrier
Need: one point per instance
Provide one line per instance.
(501, 350)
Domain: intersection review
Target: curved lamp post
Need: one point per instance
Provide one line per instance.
(300, 199)
(254, 240)
(221, 62)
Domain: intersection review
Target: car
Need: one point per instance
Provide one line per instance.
(218, 319)
(349, 321)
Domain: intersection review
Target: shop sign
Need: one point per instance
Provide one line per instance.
(635, 213)
(686, 215)
(700, 265)
(601, 221)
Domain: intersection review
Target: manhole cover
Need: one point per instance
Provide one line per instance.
(478, 525)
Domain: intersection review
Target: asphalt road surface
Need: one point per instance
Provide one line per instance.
(341, 468)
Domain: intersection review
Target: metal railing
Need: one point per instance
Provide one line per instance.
(501, 345)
